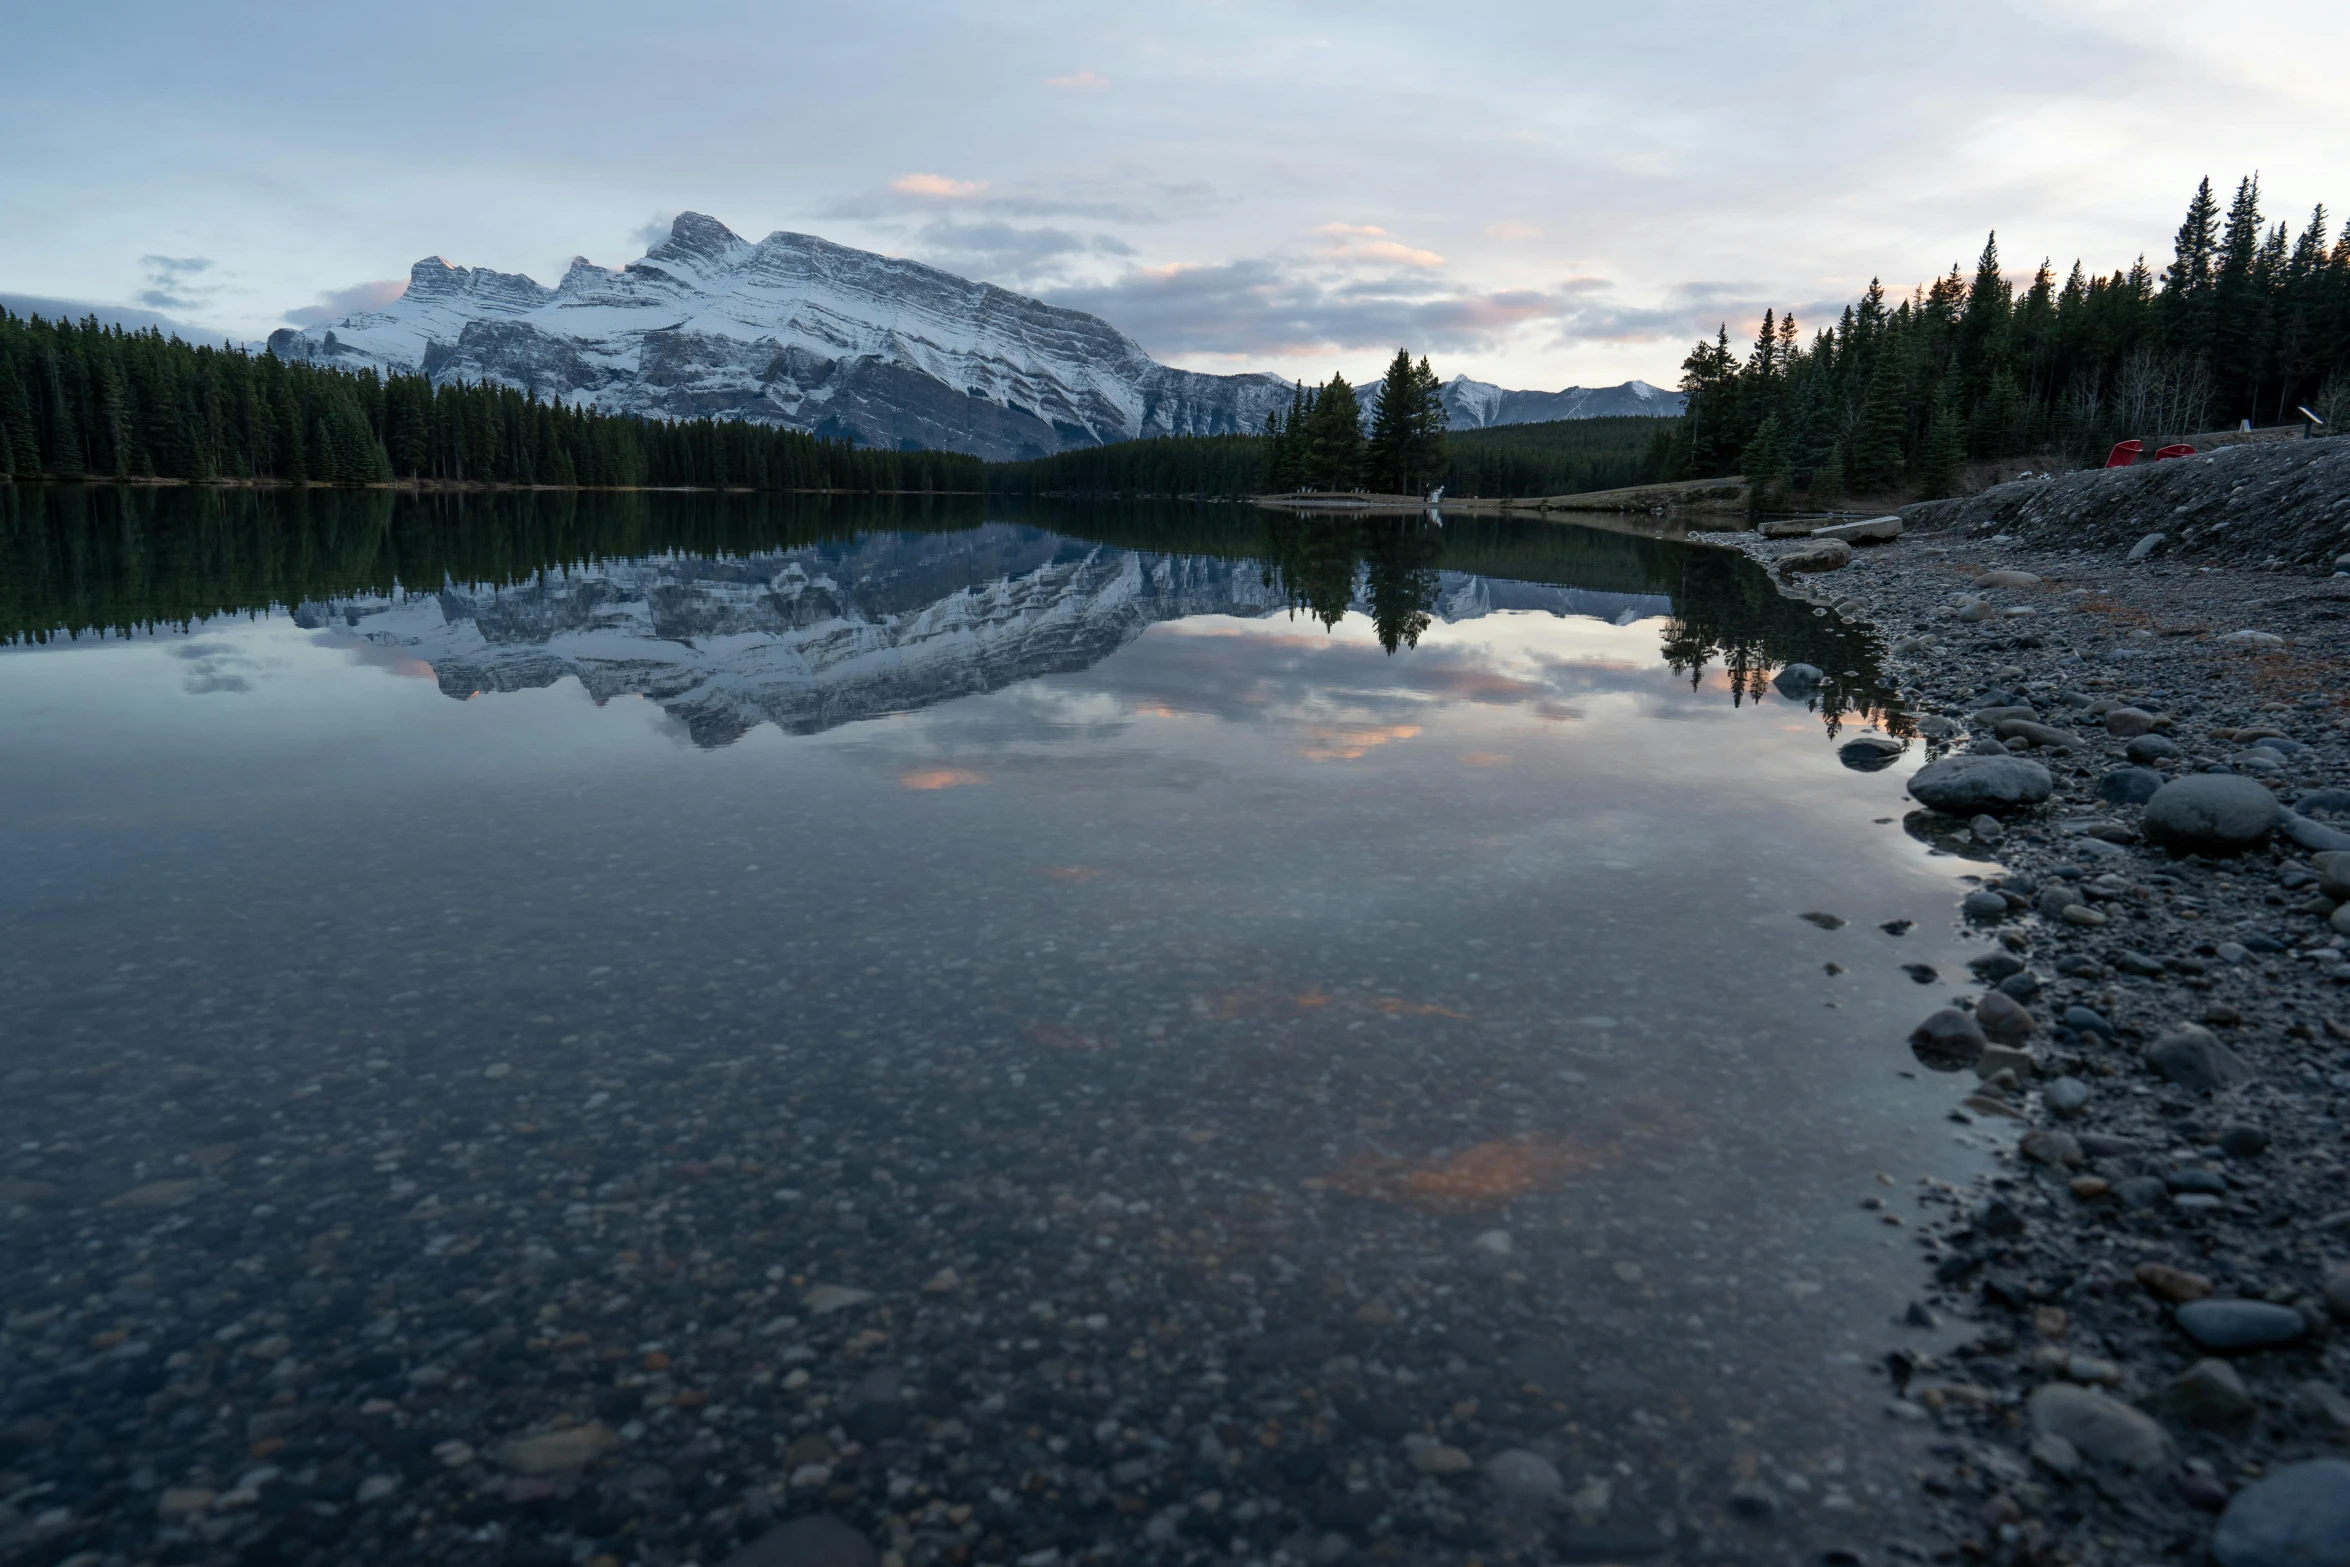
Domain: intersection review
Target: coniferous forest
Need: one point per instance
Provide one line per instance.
(78, 400)
(2249, 320)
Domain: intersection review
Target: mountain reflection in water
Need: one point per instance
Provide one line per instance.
(811, 612)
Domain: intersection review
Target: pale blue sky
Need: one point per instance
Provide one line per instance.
(1536, 193)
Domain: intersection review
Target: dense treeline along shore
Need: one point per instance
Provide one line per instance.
(2249, 321)
(84, 401)
(1562, 457)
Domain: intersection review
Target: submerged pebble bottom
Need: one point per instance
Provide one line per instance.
(605, 1167)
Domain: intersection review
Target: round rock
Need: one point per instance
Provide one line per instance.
(1992, 785)
(2129, 785)
(1983, 904)
(2240, 1324)
(2149, 749)
(1523, 1476)
(2104, 1429)
(2000, 1016)
(1869, 753)
(1798, 681)
(1947, 1041)
(2214, 812)
(2127, 723)
(2067, 1096)
(2296, 1517)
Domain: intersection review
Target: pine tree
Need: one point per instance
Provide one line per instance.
(1875, 458)
(1430, 421)
(1766, 468)
(1944, 445)
(1389, 455)
(1334, 438)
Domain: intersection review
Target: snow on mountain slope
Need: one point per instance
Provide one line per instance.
(1477, 405)
(811, 638)
(796, 331)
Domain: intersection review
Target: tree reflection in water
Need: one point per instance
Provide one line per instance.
(1326, 565)
(77, 559)
(1727, 609)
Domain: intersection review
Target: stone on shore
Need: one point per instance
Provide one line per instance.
(2146, 750)
(2103, 1429)
(1798, 681)
(1947, 1041)
(2129, 785)
(2192, 1057)
(2214, 812)
(1870, 753)
(2128, 723)
(2210, 1393)
(1992, 785)
(2298, 1516)
(2000, 1016)
(1826, 555)
(2240, 1324)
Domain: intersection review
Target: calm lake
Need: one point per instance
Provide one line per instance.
(556, 1029)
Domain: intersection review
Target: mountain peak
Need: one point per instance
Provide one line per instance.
(697, 234)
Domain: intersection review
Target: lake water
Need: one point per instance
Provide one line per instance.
(545, 1029)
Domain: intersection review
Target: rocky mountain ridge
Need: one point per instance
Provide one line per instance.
(797, 331)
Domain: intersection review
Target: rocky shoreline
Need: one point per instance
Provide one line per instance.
(2156, 1278)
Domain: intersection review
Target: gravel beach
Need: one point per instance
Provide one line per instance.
(2160, 1016)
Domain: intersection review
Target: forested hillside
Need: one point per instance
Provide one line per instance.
(86, 401)
(2248, 321)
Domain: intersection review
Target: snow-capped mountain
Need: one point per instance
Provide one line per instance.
(797, 331)
(1476, 405)
(828, 634)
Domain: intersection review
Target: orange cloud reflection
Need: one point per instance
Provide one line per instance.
(1484, 759)
(941, 778)
(1489, 1175)
(1344, 745)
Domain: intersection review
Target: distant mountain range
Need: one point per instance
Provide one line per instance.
(797, 331)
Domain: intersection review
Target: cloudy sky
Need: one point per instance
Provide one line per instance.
(1536, 192)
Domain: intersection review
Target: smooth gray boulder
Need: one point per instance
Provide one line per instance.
(2314, 836)
(1798, 681)
(1987, 785)
(2146, 546)
(2129, 785)
(2103, 1429)
(2149, 749)
(1824, 555)
(2191, 1056)
(2297, 1517)
(1870, 753)
(1947, 1041)
(2215, 812)
(2240, 1324)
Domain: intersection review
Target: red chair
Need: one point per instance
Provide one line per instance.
(2124, 454)
(2168, 452)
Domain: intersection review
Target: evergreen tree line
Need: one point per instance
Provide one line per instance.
(2249, 321)
(1562, 457)
(84, 401)
(115, 559)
